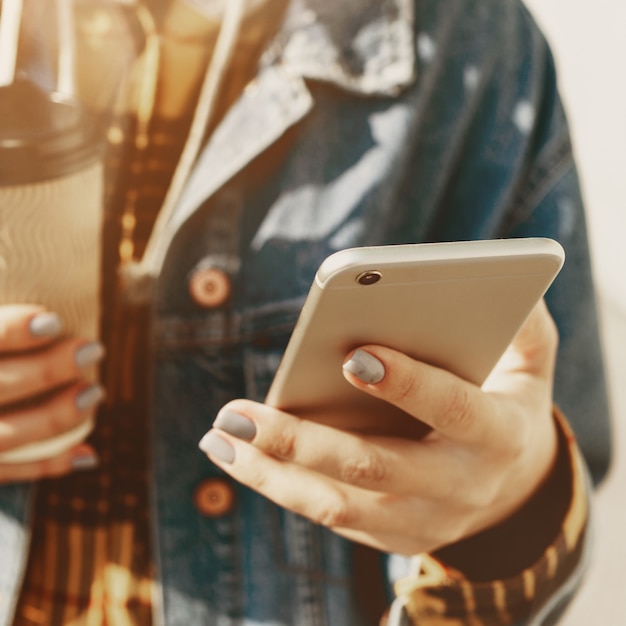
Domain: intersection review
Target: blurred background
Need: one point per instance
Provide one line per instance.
(588, 42)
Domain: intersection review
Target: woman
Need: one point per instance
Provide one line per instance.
(320, 126)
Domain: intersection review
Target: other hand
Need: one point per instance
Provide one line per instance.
(44, 389)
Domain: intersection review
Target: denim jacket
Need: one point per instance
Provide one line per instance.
(369, 122)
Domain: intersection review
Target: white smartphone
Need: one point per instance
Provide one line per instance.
(454, 305)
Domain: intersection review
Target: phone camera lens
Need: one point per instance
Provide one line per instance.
(369, 278)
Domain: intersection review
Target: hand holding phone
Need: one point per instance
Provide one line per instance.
(488, 450)
(432, 320)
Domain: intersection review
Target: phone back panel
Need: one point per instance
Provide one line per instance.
(454, 305)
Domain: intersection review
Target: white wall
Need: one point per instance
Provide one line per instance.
(589, 42)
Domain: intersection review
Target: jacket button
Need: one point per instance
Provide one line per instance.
(214, 497)
(209, 287)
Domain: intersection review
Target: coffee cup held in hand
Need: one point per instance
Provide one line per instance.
(51, 196)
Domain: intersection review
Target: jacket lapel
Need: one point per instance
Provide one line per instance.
(362, 46)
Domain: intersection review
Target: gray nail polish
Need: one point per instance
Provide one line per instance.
(88, 354)
(213, 445)
(84, 462)
(89, 397)
(45, 325)
(365, 367)
(236, 425)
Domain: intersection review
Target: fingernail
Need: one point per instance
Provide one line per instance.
(45, 325)
(89, 354)
(236, 425)
(83, 462)
(213, 445)
(365, 367)
(89, 397)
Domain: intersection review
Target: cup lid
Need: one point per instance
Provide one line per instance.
(44, 135)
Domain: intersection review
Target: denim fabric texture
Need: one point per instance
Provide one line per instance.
(370, 122)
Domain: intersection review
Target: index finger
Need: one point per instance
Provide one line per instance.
(450, 405)
(27, 326)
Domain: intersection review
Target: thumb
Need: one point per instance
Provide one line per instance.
(533, 350)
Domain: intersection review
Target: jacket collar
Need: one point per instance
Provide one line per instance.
(363, 46)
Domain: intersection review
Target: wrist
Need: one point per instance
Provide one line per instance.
(516, 543)
(502, 595)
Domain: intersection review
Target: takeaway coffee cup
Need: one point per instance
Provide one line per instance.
(51, 209)
(64, 66)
